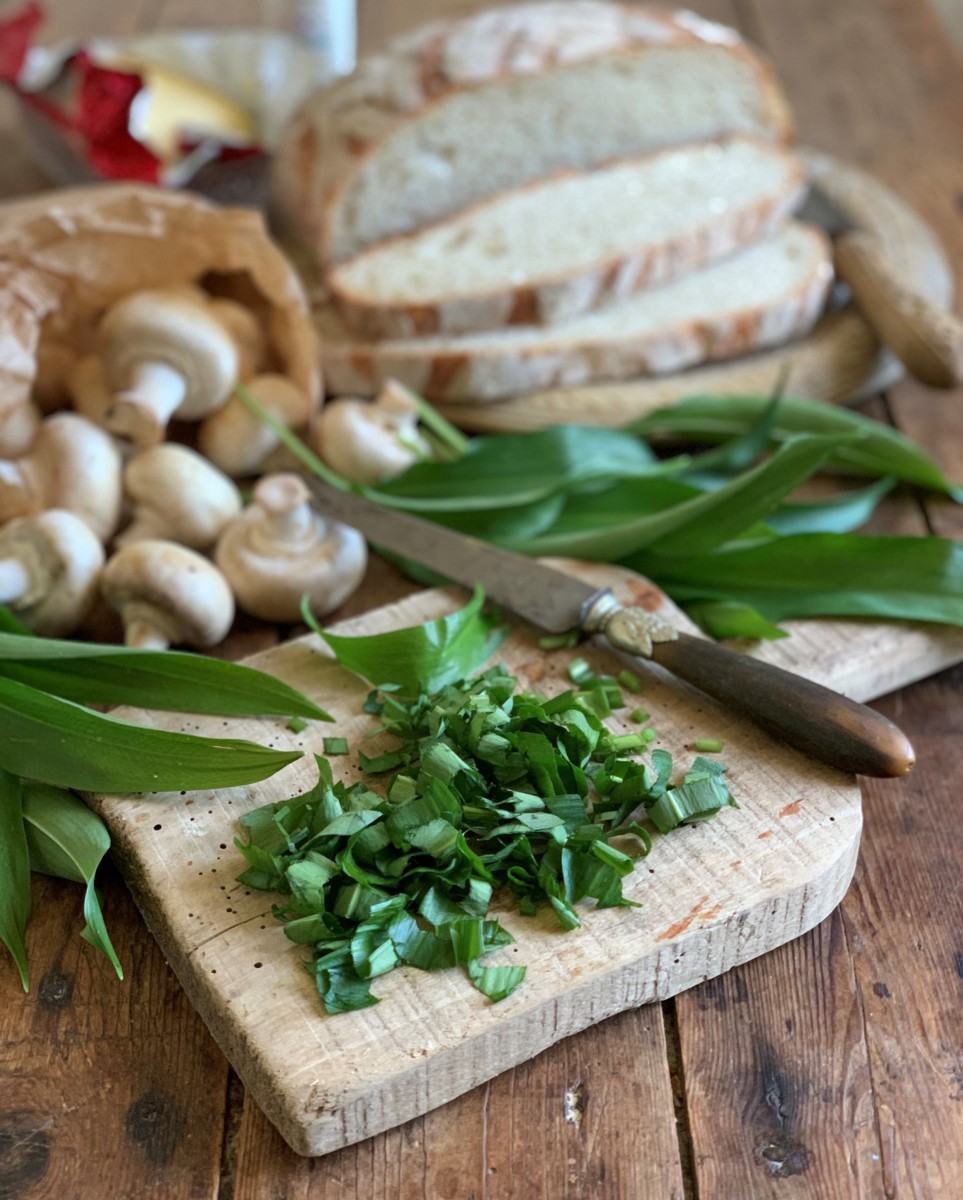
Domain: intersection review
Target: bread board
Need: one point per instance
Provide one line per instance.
(713, 895)
(839, 362)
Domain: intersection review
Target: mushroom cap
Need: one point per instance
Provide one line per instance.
(236, 441)
(367, 442)
(171, 589)
(246, 331)
(63, 558)
(169, 328)
(279, 549)
(179, 496)
(72, 464)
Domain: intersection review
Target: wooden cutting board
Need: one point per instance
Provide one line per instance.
(712, 895)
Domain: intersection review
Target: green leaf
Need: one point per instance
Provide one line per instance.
(495, 982)
(842, 513)
(66, 839)
(14, 874)
(730, 619)
(421, 657)
(706, 519)
(514, 469)
(824, 575)
(95, 674)
(10, 624)
(879, 449)
(56, 741)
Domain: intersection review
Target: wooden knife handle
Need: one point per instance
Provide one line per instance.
(814, 719)
(926, 338)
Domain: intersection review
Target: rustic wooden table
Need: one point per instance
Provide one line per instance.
(828, 1069)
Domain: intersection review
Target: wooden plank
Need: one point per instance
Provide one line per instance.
(731, 891)
(588, 1119)
(777, 1079)
(99, 1072)
(903, 918)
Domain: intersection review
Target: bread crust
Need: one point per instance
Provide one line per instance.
(342, 126)
(462, 371)
(561, 296)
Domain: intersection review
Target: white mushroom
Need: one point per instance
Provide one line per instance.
(236, 441)
(72, 464)
(246, 332)
(177, 495)
(369, 441)
(49, 565)
(164, 355)
(18, 428)
(280, 549)
(167, 595)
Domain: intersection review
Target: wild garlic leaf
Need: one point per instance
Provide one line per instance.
(11, 624)
(823, 575)
(90, 673)
(730, 619)
(66, 839)
(421, 657)
(14, 874)
(878, 450)
(843, 513)
(514, 469)
(706, 519)
(58, 742)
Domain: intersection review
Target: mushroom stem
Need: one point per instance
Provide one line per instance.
(142, 411)
(14, 580)
(141, 634)
(288, 518)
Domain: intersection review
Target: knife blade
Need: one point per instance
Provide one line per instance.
(814, 719)
(926, 337)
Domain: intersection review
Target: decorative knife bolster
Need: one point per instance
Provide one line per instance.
(631, 629)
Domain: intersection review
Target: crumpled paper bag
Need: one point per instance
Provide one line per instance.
(65, 256)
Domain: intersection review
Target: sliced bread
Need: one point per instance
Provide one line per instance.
(764, 296)
(549, 251)
(468, 106)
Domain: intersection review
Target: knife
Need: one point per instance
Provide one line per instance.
(814, 719)
(925, 337)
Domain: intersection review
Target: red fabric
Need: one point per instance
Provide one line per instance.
(16, 38)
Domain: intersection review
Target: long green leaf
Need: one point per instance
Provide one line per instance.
(10, 624)
(879, 449)
(515, 469)
(842, 513)
(14, 874)
(705, 520)
(56, 741)
(824, 575)
(66, 839)
(171, 680)
(421, 657)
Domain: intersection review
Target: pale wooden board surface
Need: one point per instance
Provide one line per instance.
(713, 896)
(840, 361)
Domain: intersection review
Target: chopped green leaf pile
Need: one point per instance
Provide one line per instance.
(485, 788)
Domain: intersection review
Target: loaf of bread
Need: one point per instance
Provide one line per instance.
(551, 250)
(768, 294)
(470, 106)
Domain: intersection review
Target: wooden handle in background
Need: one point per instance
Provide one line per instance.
(926, 338)
(814, 719)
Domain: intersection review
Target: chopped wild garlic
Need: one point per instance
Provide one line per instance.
(485, 788)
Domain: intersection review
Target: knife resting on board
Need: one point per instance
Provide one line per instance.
(813, 718)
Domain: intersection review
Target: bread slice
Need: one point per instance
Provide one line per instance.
(469, 106)
(549, 251)
(769, 294)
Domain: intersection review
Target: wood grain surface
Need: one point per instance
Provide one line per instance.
(842, 1047)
